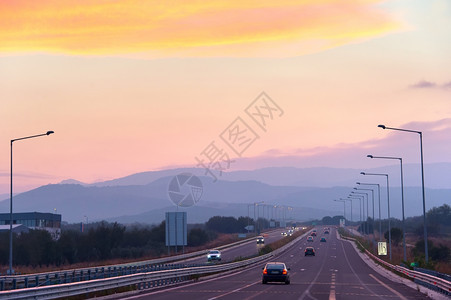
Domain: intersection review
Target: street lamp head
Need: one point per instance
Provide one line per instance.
(363, 173)
(381, 126)
(369, 155)
(49, 132)
(355, 188)
(358, 183)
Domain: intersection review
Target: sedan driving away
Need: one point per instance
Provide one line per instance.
(323, 240)
(309, 251)
(275, 272)
(310, 239)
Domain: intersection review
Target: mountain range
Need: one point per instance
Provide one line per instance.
(143, 197)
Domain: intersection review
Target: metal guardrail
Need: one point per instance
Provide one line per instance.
(83, 274)
(141, 280)
(441, 284)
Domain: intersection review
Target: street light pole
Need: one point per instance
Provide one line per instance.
(365, 220)
(11, 271)
(422, 185)
(388, 202)
(351, 206)
(402, 202)
(379, 196)
(372, 198)
(344, 207)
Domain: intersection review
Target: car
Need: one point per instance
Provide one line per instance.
(275, 272)
(323, 239)
(309, 251)
(214, 255)
(260, 240)
(284, 233)
(313, 233)
(310, 239)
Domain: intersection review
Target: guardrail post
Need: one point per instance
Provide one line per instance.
(25, 282)
(2, 285)
(89, 274)
(14, 284)
(47, 279)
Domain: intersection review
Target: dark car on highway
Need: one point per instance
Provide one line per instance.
(323, 239)
(309, 251)
(310, 239)
(260, 240)
(275, 272)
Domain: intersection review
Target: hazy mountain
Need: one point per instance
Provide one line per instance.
(149, 201)
(437, 175)
(202, 212)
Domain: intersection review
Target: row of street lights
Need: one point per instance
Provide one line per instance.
(360, 195)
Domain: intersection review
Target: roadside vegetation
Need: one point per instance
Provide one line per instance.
(439, 240)
(105, 243)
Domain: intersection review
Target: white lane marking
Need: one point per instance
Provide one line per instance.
(332, 295)
(389, 288)
(235, 290)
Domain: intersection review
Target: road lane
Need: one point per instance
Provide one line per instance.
(336, 271)
(242, 250)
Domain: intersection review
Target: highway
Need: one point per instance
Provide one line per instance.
(242, 250)
(336, 272)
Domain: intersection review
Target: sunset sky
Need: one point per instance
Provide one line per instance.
(131, 86)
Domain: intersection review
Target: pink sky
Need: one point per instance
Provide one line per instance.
(130, 87)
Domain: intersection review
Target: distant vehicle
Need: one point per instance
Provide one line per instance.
(275, 272)
(310, 239)
(314, 230)
(214, 255)
(309, 251)
(326, 232)
(313, 233)
(323, 239)
(284, 233)
(260, 240)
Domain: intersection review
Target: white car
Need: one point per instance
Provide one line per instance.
(214, 255)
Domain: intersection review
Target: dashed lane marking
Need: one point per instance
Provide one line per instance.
(389, 288)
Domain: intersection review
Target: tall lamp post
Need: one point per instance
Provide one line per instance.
(351, 206)
(379, 196)
(422, 185)
(402, 202)
(11, 271)
(344, 207)
(365, 220)
(388, 204)
(372, 199)
(357, 197)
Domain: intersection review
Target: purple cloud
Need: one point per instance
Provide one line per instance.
(447, 85)
(423, 84)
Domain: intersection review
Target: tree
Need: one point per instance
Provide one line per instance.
(396, 235)
(197, 237)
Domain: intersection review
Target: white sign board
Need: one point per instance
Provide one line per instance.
(382, 248)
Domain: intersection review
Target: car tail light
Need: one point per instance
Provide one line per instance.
(265, 272)
(284, 272)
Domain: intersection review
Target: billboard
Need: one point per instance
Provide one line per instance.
(176, 231)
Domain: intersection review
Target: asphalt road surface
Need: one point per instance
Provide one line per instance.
(336, 272)
(242, 250)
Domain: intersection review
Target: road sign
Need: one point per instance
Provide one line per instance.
(382, 248)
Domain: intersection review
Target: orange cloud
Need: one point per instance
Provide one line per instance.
(188, 27)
